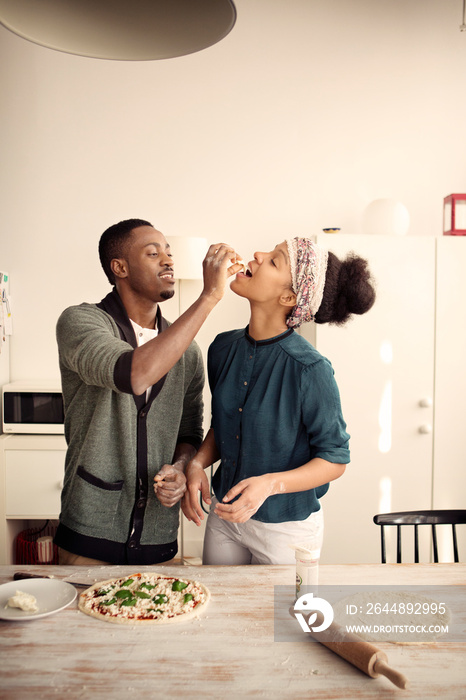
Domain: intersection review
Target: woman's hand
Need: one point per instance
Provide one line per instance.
(196, 480)
(254, 491)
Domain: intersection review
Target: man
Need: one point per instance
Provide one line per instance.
(132, 387)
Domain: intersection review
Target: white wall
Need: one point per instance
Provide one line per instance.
(305, 113)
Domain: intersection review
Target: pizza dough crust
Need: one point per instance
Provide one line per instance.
(172, 611)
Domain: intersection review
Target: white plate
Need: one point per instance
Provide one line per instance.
(51, 595)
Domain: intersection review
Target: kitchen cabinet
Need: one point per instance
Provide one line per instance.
(33, 482)
(449, 486)
(31, 479)
(398, 368)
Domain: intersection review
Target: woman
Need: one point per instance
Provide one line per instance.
(276, 416)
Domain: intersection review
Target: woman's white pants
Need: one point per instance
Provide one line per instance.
(254, 542)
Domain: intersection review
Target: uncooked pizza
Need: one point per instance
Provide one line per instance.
(145, 599)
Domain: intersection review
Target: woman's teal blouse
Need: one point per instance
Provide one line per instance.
(275, 406)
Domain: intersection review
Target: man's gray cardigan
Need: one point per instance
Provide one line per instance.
(116, 441)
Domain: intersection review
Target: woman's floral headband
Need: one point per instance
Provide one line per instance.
(308, 262)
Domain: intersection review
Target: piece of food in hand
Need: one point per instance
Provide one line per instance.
(237, 260)
(23, 601)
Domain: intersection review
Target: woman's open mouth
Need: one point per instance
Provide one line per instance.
(244, 273)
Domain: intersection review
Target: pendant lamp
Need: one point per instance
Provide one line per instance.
(125, 30)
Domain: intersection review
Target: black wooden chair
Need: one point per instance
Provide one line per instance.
(416, 518)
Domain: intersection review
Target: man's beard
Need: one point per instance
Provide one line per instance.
(168, 294)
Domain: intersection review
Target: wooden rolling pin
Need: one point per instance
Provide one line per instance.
(358, 652)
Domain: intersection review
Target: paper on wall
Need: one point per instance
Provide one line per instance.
(6, 320)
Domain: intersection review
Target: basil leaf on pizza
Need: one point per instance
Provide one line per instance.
(144, 599)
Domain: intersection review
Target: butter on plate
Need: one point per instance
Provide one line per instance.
(24, 601)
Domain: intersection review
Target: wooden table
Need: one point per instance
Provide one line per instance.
(228, 653)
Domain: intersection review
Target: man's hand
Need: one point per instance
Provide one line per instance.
(252, 494)
(170, 484)
(220, 263)
(196, 481)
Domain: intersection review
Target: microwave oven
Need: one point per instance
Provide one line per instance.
(29, 407)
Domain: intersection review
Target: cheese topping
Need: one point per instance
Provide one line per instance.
(24, 601)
